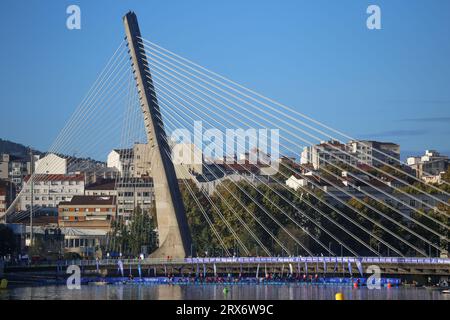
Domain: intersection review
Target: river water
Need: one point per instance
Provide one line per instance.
(216, 292)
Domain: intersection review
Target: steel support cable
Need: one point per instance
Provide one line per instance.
(334, 209)
(293, 171)
(258, 220)
(290, 132)
(226, 120)
(90, 93)
(312, 220)
(102, 101)
(81, 109)
(52, 166)
(235, 97)
(418, 211)
(281, 210)
(255, 201)
(227, 224)
(254, 236)
(144, 41)
(206, 216)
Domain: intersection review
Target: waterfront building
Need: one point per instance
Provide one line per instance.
(105, 187)
(84, 243)
(14, 169)
(51, 164)
(133, 193)
(87, 212)
(122, 160)
(87, 243)
(50, 189)
(130, 194)
(430, 166)
(374, 153)
(355, 152)
(326, 153)
(7, 195)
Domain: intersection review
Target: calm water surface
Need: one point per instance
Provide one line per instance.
(213, 291)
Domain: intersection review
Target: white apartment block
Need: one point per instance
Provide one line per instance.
(122, 160)
(326, 153)
(132, 162)
(50, 189)
(432, 163)
(372, 153)
(51, 164)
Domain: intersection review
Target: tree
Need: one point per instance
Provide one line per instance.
(129, 238)
(202, 237)
(141, 232)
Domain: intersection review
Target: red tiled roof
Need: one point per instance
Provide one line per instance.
(56, 177)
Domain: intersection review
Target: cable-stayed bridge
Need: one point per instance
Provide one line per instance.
(342, 203)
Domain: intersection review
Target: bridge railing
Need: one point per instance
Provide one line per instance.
(245, 260)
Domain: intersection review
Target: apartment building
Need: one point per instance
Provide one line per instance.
(374, 153)
(7, 194)
(51, 189)
(430, 166)
(87, 212)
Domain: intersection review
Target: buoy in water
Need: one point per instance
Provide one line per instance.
(339, 296)
(3, 284)
(389, 285)
(355, 285)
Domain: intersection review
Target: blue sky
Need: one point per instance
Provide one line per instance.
(315, 56)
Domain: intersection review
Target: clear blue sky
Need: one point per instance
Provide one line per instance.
(316, 56)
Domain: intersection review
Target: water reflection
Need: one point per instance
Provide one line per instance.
(216, 292)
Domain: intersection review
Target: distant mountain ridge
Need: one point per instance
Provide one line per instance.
(15, 149)
(21, 151)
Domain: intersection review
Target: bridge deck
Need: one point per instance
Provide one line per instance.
(387, 265)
